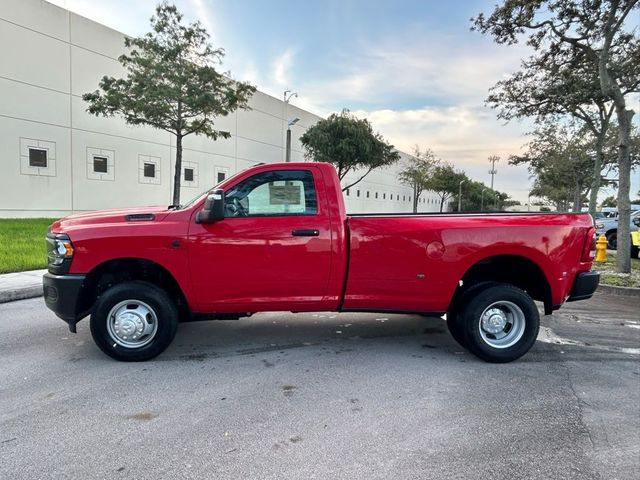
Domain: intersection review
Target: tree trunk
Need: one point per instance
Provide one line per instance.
(441, 203)
(623, 263)
(178, 171)
(577, 198)
(597, 172)
(610, 88)
(416, 194)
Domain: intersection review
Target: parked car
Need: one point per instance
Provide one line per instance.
(276, 238)
(609, 227)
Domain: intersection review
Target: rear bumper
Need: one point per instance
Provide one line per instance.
(584, 285)
(61, 293)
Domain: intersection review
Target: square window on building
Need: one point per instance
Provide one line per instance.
(357, 193)
(188, 174)
(37, 157)
(221, 176)
(404, 198)
(347, 192)
(384, 196)
(150, 170)
(100, 164)
(376, 194)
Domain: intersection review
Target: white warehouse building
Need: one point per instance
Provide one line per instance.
(57, 159)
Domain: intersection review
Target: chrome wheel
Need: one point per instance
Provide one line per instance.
(132, 324)
(502, 324)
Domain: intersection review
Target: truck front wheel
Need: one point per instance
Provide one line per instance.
(134, 321)
(499, 324)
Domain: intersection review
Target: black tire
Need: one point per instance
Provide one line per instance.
(612, 240)
(519, 333)
(453, 323)
(124, 308)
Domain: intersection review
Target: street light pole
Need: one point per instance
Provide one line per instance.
(460, 195)
(291, 123)
(493, 159)
(286, 97)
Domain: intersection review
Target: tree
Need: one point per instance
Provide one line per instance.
(592, 31)
(349, 144)
(559, 161)
(171, 84)
(551, 86)
(417, 172)
(477, 197)
(444, 181)
(609, 202)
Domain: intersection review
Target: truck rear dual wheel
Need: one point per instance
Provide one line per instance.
(455, 328)
(134, 321)
(497, 322)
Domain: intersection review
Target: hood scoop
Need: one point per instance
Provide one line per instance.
(140, 217)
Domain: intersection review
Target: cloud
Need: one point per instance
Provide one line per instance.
(202, 10)
(444, 71)
(281, 68)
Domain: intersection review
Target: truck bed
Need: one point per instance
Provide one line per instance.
(413, 262)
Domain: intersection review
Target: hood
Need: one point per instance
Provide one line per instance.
(116, 215)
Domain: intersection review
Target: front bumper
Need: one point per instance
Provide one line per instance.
(61, 294)
(584, 285)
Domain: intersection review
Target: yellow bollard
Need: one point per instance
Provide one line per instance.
(601, 249)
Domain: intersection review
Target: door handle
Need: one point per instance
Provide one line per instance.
(305, 233)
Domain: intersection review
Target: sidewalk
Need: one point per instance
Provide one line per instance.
(20, 285)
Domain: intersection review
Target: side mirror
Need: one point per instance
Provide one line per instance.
(213, 208)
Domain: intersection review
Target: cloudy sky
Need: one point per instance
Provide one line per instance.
(413, 68)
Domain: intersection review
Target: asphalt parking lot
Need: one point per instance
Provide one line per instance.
(319, 396)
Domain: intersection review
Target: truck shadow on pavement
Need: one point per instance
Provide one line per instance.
(278, 332)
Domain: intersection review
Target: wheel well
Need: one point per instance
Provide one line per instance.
(122, 270)
(512, 269)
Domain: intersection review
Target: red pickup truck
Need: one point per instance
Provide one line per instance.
(276, 238)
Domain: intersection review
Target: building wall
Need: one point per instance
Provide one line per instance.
(50, 57)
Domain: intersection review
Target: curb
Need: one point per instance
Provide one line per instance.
(21, 285)
(619, 291)
(21, 293)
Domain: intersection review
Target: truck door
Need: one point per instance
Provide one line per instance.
(272, 251)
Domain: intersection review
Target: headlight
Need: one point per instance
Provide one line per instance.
(59, 249)
(599, 226)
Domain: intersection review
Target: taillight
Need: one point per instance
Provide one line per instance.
(589, 250)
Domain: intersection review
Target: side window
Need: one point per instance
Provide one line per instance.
(276, 193)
